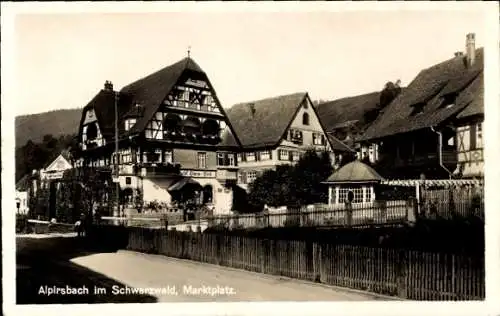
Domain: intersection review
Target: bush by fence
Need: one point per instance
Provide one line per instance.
(398, 272)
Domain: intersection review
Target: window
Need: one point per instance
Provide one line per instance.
(305, 119)
(240, 157)
(202, 160)
(479, 135)
(318, 139)
(371, 154)
(295, 136)
(167, 156)
(128, 180)
(230, 159)
(225, 159)
(250, 156)
(220, 159)
(368, 191)
(283, 154)
(333, 195)
(251, 176)
(357, 194)
(448, 100)
(295, 156)
(266, 155)
(126, 157)
(473, 137)
(242, 177)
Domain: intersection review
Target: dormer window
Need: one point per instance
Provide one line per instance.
(449, 100)
(417, 109)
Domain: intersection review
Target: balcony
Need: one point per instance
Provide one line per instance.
(449, 159)
(191, 138)
(227, 175)
(151, 170)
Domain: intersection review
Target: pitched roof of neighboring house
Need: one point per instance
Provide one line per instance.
(355, 172)
(23, 183)
(428, 89)
(339, 145)
(65, 153)
(263, 123)
(228, 139)
(342, 112)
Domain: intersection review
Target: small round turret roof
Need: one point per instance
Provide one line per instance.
(355, 172)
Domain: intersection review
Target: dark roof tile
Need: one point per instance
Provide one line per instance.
(341, 112)
(263, 123)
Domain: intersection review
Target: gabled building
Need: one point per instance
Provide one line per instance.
(434, 127)
(170, 127)
(54, 170)
(276, 131)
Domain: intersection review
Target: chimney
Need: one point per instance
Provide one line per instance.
(108, 85)
(252, 108)
(458, 54)
(470, 49)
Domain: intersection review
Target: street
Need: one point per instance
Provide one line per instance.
(58, 264)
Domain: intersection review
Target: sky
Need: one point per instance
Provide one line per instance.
(63, 60)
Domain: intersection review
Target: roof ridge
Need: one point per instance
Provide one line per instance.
(185, 60)
(449, 60)
(271, 98)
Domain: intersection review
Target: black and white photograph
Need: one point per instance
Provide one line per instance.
(265, 153)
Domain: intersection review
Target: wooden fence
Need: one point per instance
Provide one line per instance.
(377, 213)
(402, 273)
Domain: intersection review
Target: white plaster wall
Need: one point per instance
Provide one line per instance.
(23, 198)
(153, 192)
(222, 196)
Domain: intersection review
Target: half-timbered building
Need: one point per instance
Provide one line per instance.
(170, 126)
(433, 128)
(276, 131)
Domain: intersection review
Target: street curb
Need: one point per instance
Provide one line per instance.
(263, 275)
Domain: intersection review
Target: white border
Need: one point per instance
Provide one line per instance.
(492, 82)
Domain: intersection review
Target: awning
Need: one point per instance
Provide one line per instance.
(183, 183)
(433, 183)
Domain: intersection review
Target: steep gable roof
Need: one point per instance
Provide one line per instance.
(23, 183)
(151, 90)
(337, 113)
(427, 90)
(263, 122)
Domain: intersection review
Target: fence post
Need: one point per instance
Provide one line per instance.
(322, 266)
(402, 265)
(316, 262)
(263, 255)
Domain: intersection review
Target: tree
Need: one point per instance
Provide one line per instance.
(293, 185)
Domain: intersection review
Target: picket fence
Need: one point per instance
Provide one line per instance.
(401, 273)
